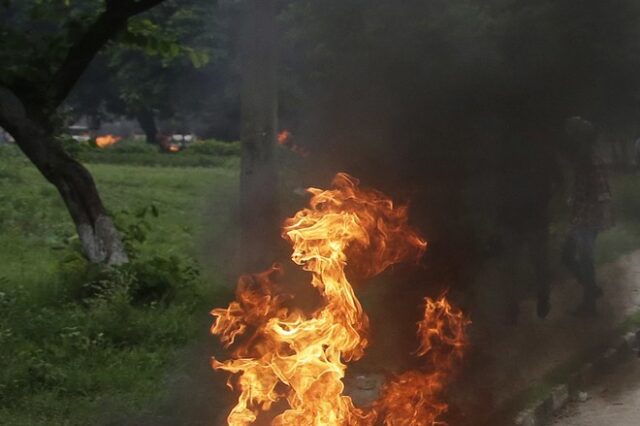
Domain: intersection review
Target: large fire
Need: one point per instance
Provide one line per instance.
(107, 140)
(282, 353)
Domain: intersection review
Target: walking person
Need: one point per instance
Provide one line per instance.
(591, 212)
(530, 176)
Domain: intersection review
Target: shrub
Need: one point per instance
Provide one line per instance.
(129, 146)
(215, 148)
(146, 280)
(76, 148)
(209, 153)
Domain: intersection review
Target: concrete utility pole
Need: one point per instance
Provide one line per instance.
(259, 219)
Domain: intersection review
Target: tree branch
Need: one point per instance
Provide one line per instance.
(137, 7)
(80, 55)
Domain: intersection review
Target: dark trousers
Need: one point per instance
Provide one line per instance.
(530, 245)
(579, 256)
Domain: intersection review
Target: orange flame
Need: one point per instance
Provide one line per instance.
(107, 140)
(414, 398)
(285, 138)
(280, 352)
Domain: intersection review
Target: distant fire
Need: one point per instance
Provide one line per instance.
(282, 352)
(284, 137)
(107, 140)
(173, 148)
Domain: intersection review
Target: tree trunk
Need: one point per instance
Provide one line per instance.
(30, 127)
(98, 235)
(259, 219)
(147, 122)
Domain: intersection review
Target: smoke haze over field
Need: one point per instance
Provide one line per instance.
(458, 107)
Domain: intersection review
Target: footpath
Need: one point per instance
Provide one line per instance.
(614, 401)
(512, 367)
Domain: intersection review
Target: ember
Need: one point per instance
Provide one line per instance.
(285, 139)
(282, 352)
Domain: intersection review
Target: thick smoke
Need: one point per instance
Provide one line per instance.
(457, 107)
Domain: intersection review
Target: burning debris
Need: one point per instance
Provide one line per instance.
(280, 352)
(107, 140)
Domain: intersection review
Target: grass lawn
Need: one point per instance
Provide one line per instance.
(67, 351)
(625, 235)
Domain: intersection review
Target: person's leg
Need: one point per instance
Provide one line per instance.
(588, 262)
(570, 253)
(512, 243)
(586, 257)
(540, 260)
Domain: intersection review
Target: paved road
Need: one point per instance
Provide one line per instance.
(615, 402)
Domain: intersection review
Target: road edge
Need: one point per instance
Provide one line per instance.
(552, 402)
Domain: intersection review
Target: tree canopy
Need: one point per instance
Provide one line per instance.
(173, 64)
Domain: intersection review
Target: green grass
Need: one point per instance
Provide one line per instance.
(68, 350)
(625, 235)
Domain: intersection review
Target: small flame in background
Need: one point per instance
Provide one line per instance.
(280, 352)
(285, 138)
(107, 140)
